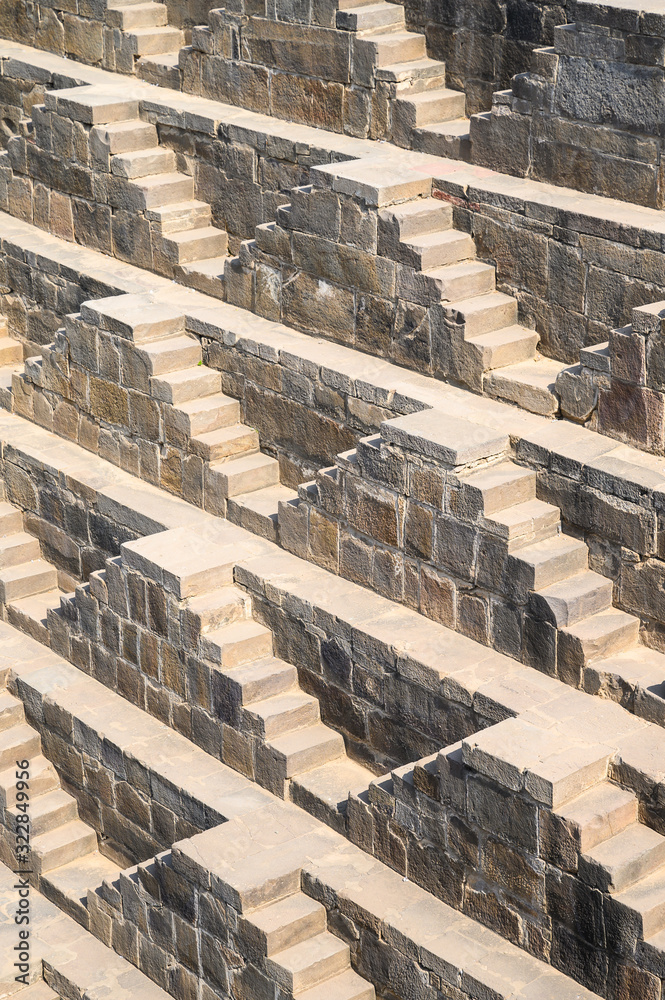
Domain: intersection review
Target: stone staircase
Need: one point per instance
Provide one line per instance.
(28, 584)
(145, 43)
(426, 115)
(489, 350)
(11, 361)
(63, 856)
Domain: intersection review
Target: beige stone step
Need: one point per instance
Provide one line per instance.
(126, 137)
(10, 351)
(38, 991)
(258, 511)
(30, 614)
(206, 276)
(647, 897)
(43, 778)
(7, 373)
(282, 713)
(464, 280)
(483, 313)
(172, 354)
(388, 48)
(500, 486)
(27, 579)
(451, 139)
(162, 70)
(200, 416)
(155, 191)
(138, 15)
(225, 442)
(573, 599)
(92, 105)
(551, 561)
(434, 250)
(324, 791)
(305, 965)
(602, 634)
(246, 474)
(18, 743)
(370, 17)
(506, 346)
(347, 985)
(11, 711)
(238, 643)
(47, 812)
(214, 610)
(180, 216)
(185, 385)
(524, 523)
(195, 244)
(18, 548)
(143, 162)
(61, 846)
(11, 519)
(599, 813)
(261, 679)
(155, 41)
(412, 77)
(429, 107)
(529, 385)
(624, 859)
(305, 749)
(287, 922)
(419, 217)
(644, 670)
(68, 885)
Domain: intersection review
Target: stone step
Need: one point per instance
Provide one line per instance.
(419, 217)
(39, 990)
(126, 137)
(643, 669)
(435, 250)
(30, 614)
(162, 70)
(225, 442)
(136, 317)
(387, 49)
(138, 15)
(68, 885)
(287, 922)
(18, 548)
(48, 811)
(10, 351)
(647, 897)
(61, 846)
(172, 354)
(524, 523)
(180, 216)
(507, 346)
(431, 106)
(214, 610)
(185, 385)
(305, 965)
(43, 778)
(27, 579)
(305, 749)
(451, 139)
(465, 280)
(11, 519)
(599, 813)
(92, 105)
(573, 599)
(11, 711)
(236, 644)
(624, 859)
(529, 385)
(413, 76)
(156, 41)
(144, 162)
(246, 474)
(206, 276)
(261, 679)
(195, 244)
(348, 985)
(18, 743)
(551, 561)
(370, 17)
(7, 374)
(500, 486)
(154, 191)
(282, 713)
(601, 635)
(483, 313)
(258, 511)
(324, 791)
(200, 416)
